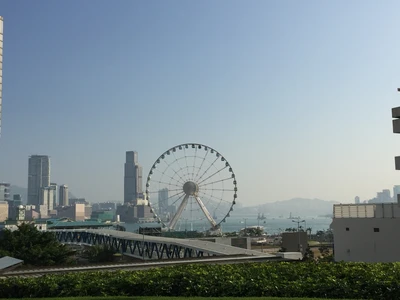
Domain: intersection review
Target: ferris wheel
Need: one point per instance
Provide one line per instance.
(192, 183)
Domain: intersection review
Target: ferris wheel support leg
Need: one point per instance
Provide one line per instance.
(206, 212)
(181, 207)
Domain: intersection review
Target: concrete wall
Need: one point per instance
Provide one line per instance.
(366, 239)
(240, 242)
(292, 240)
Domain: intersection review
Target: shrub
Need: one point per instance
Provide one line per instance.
(299, 279)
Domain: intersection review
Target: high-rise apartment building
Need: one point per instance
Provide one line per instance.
(357, 200)
(132, 178)
(1, 67)
(54, 187)
(63, 196)
(46, 197)
(4, 191)
(38, 177)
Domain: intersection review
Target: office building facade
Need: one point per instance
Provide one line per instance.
(132, 178)
(38, 177)
(163, 201)
(63, 196)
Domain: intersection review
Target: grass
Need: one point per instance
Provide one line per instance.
(174, 298)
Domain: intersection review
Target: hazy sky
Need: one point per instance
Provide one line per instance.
(297, 95)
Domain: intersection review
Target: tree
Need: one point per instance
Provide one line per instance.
(100, 253)
(34, 247)
(308, 255)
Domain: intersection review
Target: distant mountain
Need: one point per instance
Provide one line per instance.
(302, 207)
(24, 192)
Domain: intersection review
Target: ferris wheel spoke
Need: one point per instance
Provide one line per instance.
(175, 172)
(172, 178)
(207, 169)
(212, 175)
(187, 165)
(179, 198)
(181, 207)
(156, 192)
(180, 168)
(201, 165)
(220, 190)
(214, 197)
(212, 182)
(206, 212)
(177, 194)
(166, 183)
(194, 162)
(166, 175)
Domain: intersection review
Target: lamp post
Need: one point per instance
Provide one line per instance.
(298, 231)
(141, 228)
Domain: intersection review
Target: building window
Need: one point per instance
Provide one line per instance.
(347, 229)
(376, 229)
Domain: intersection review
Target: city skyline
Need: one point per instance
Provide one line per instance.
(297, 96)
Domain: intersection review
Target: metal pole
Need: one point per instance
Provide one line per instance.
(143, 244)
(298, 233)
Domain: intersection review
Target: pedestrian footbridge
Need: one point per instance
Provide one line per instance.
(151, 247)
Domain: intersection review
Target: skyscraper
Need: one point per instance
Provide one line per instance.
(396, 191)
(132, 178)
(63, 197)
(38, 177)
(163, 200)
(47, 198)
(1, 66)
(54, 186)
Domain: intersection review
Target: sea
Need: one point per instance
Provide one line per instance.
(271, 225)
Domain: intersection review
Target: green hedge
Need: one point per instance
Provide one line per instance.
(323, 280)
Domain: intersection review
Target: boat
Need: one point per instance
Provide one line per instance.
(261, 216)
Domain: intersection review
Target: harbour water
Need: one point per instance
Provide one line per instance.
(235, 224)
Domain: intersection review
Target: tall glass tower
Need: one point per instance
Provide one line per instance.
(132, 178)
(38, 177)
(1, 66)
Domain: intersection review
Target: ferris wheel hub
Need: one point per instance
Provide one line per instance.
(190, 188)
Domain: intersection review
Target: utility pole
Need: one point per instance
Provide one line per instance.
(298, 231)
(143, 243)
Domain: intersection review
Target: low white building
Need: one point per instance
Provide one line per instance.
(366, 232)
(13, 225)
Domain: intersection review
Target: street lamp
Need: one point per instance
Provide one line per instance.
(298, 231)
(141, 228)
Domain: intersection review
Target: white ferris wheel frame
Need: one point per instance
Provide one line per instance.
(172, 223)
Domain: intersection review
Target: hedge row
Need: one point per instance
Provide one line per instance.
(323, 280)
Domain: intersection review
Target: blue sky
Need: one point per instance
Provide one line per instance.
(296, 94)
